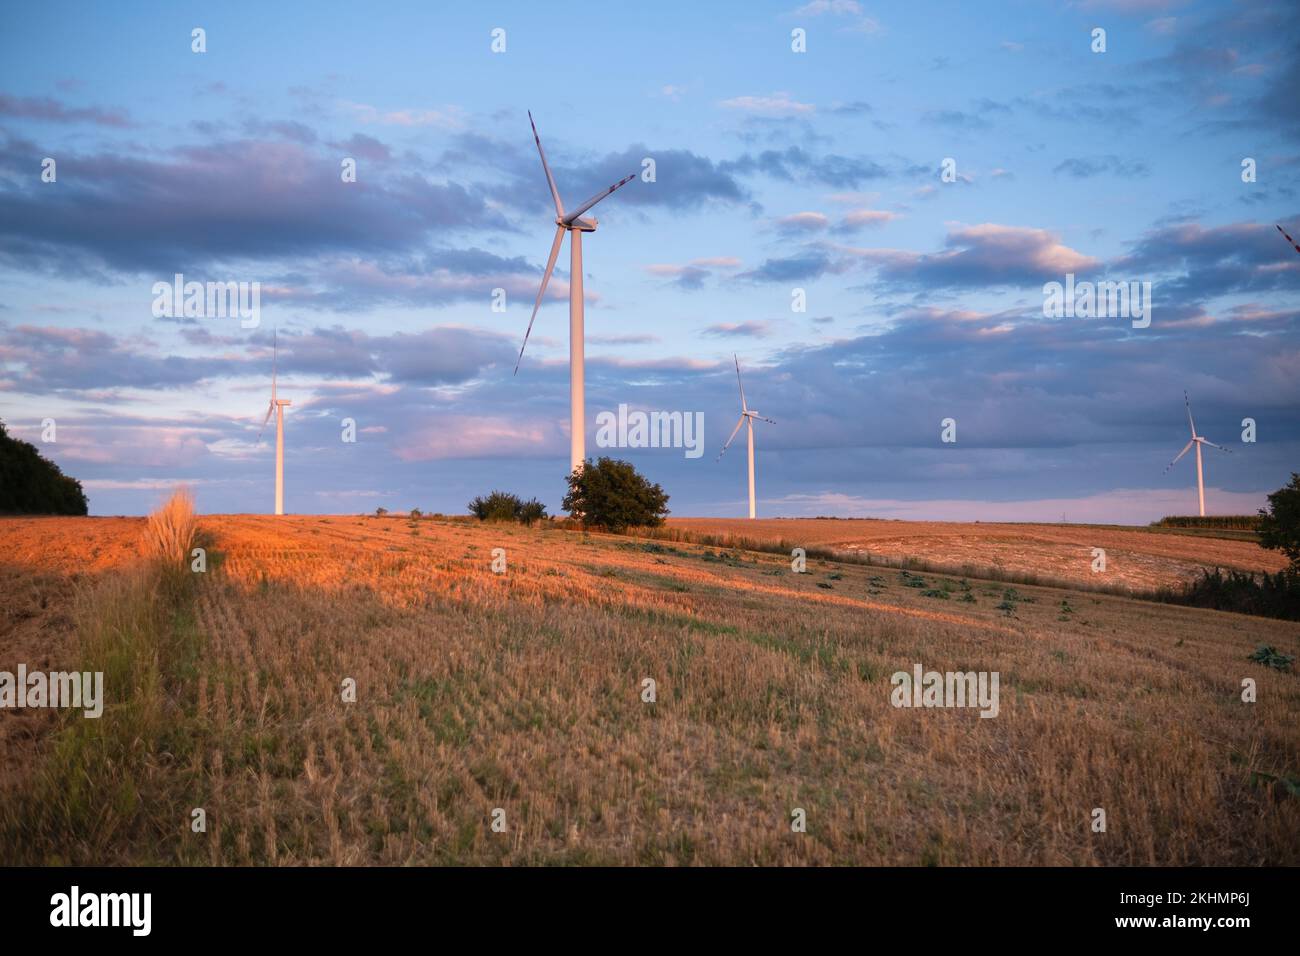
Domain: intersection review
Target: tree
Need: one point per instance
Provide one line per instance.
(1279, 524)
(613, 494)
(31, 484)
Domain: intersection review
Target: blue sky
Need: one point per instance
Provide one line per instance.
(775, 171)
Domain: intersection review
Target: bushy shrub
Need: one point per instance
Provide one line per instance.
(1265, 595)
(614, 495)
(503, 506)
(532, 511)
(497, 506)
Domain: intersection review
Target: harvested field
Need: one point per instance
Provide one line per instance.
(1136, 558)
(523, 692)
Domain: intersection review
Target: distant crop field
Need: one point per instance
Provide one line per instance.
(1222, 522)
(519, 697)
(1136, 559)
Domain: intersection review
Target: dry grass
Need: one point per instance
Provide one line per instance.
(170, 529)
(522, 691)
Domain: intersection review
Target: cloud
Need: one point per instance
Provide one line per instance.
(361, 146)
(693, 274)
(777, 104)
(448, 118)
(196, 208)
(47, 359)
(810, 264)
(1085, 167)
(802, 222)
(988, 254)
(857, 219)
(752, 329)
(50, 110)
(849, 10)
(1201, 263)
(796, 164)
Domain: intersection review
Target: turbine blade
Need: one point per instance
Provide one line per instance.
(1180, 455)
(732, 438)
(1206, 441)
(550, 180)
(597, 198)
(1289, 239)
(761, 418)
(546, 278)
(275, 359)
(269, 408)
(1189, 414)
(743, 406)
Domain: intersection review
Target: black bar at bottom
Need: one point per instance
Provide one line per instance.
(537, 905)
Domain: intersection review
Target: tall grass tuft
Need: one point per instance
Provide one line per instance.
(169, 534)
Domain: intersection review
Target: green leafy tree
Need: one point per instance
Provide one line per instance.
(1279, 523)
(613, 494)
(31, 484)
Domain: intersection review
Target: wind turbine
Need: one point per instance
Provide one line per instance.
(573, 224)
(277, 406)
(1294, 245)
(1198, 441)
(747, 417)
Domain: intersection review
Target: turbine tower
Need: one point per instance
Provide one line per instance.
(1198, 441)
(747, 417)
(575, 226)
(277, 406)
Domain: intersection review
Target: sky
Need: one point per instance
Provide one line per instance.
(866, 224)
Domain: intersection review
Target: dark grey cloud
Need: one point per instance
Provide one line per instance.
(1199, 263)
(49, 359)
(231, 202)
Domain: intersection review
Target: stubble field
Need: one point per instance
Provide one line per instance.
(1137, 559)
(523, 692)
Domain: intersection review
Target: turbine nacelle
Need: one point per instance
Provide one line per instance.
(581, 224)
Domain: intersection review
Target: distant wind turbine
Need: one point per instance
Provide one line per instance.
(277, 406)
(747, 417)
(1198, 441)
(575, 226)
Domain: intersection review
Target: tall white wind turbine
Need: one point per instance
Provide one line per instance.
(575, 226)
(747, 418)
(1198, 441)
(277, 406)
